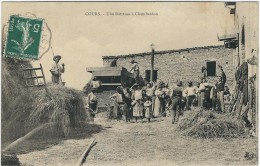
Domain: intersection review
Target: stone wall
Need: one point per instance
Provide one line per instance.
(184, 64)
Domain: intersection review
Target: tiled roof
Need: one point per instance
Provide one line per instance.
(161, 52)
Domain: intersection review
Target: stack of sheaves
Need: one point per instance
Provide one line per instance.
(61, 106)
(208, 124)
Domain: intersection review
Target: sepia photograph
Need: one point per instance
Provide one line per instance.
(129, 83)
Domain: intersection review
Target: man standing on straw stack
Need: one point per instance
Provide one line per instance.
(56, 70)
(135, 70)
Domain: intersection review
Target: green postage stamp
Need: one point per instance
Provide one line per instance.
(23, 37)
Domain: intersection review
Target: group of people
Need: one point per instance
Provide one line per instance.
(141, 102)
(156, 99)
(207, 95)
(153, 100)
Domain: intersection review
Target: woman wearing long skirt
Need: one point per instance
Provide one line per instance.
(157, 103)
(137, 103)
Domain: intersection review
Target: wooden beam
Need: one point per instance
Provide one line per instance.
(92, 69)
(85, 153)
(26, 137)
(27, 69)
(107, 73)
(33, 77)
(110, 84)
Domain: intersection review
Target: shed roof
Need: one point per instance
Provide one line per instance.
(105, 71)
(228, 37)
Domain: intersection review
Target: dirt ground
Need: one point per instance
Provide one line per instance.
(52, 148)
(142, 143)
(158, 143)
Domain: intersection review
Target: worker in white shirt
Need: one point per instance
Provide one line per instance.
(57, 70)
(190, 92)
(135, 70)
(202, 88)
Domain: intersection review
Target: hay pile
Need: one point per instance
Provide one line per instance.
(61, 106)
(207, 124)
(24, 109)
(16, 99)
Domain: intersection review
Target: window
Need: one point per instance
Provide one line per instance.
(148, 75)
(211, 68)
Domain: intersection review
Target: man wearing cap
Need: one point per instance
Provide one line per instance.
(190, 91)
(176, 102)
(56, 70)
(223, 75)
(135, 70)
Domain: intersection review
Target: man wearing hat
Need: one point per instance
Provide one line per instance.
(176, 102)
(135, 70)
(56, 70)
(220, 88)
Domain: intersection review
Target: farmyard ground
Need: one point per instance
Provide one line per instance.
(155, 143)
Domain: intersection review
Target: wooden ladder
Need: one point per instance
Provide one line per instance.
(31, 78)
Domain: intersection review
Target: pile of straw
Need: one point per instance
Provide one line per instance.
(61, 106)
(16, 99)
(25, 108)
(208, 124)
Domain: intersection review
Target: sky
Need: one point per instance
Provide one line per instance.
(83, 39)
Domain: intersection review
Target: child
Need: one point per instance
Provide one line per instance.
(148, 108)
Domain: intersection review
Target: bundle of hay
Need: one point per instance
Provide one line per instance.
(207, 124)
(61, 106)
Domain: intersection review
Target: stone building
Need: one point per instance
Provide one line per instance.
(183, 64)
(244, 39)
(244, 42)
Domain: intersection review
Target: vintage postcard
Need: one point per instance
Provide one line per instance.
(129, 83)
